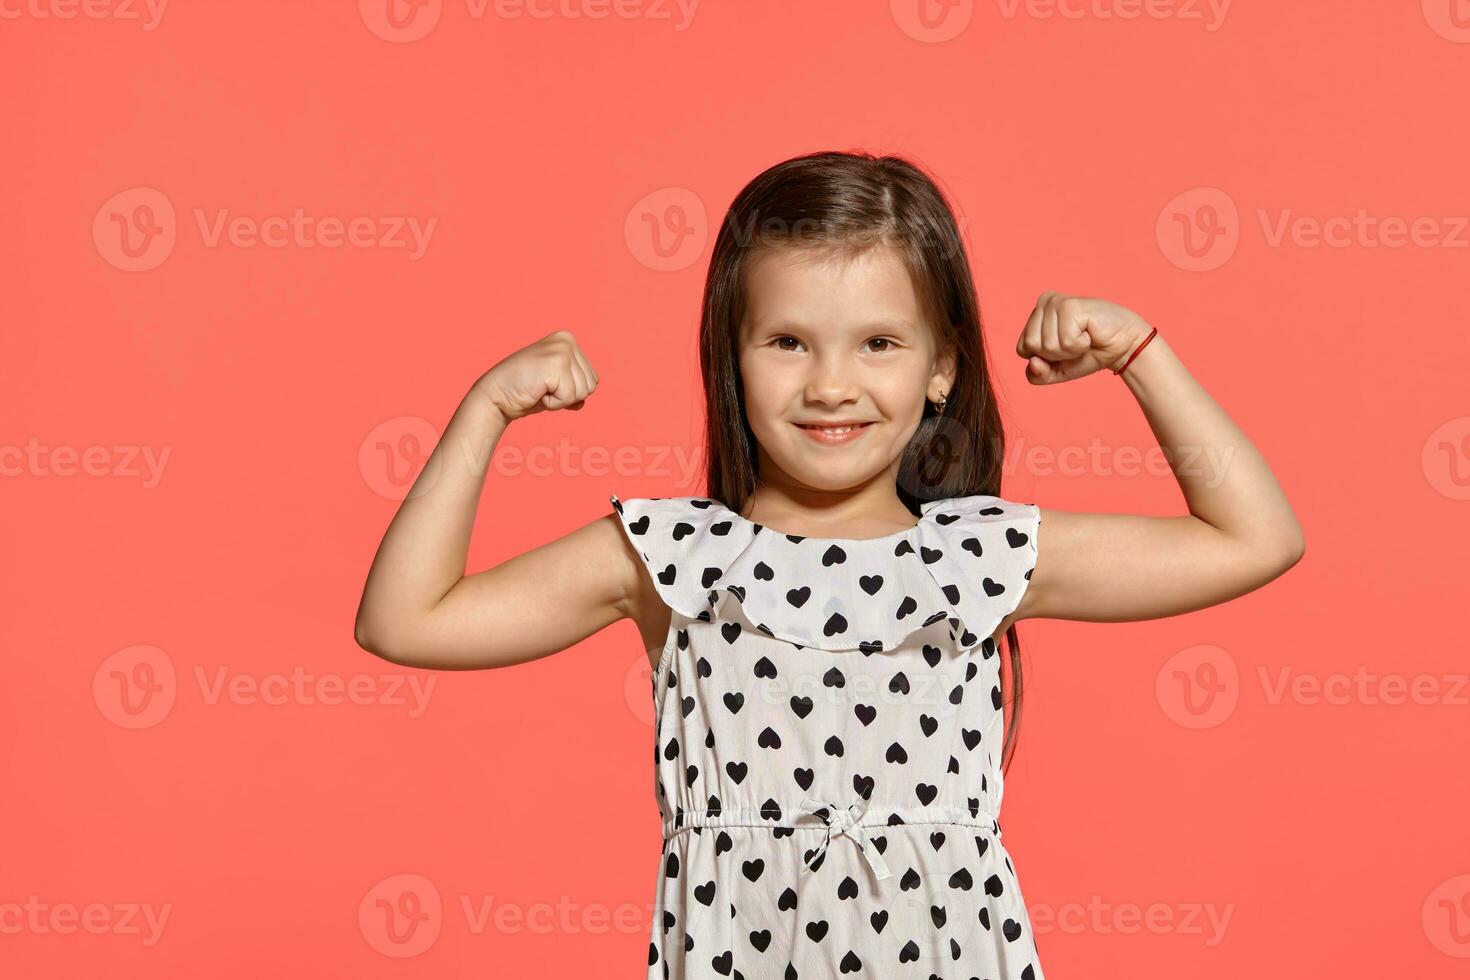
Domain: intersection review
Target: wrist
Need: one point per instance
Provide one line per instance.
(488, 402)
(1139, 337)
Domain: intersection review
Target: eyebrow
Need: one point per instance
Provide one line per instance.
(890, 325)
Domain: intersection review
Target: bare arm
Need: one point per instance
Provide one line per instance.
(1240, 532)
(418, 607)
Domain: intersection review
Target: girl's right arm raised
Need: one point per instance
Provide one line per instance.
(418, 607)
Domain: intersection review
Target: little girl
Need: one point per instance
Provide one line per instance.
(823, 624)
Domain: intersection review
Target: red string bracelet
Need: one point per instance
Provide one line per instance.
(1136, 350)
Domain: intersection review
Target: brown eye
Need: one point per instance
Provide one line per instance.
(779, 340)
(882, 340)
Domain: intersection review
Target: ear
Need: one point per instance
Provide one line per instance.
(945, 364)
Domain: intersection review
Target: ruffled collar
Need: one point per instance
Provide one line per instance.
(967, 560)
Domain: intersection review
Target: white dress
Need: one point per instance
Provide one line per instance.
(827, 745)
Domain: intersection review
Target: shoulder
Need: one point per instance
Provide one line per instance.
(1015, 520)
(980, 508)
(985, 548)
(685, 543)
(645, 515)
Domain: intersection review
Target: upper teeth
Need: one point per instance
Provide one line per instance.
(834, 428)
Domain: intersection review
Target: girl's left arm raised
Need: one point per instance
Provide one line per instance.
(1240, 532)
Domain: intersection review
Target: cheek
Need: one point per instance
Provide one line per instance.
(766, 395)
(900, 400)
(764, 415)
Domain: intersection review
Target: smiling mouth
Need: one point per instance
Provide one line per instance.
(834, 435)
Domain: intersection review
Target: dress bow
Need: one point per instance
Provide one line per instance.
(843, 821)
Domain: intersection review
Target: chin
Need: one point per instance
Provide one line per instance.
(817, 476)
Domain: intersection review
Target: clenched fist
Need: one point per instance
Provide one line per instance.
(1070, 337)
(550, 374)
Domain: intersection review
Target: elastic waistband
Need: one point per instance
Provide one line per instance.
(793, 817)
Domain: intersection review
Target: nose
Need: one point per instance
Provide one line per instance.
(831, 382)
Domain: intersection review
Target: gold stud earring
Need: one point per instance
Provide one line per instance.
(942, 402)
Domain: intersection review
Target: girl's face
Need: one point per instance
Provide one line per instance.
(840, 340)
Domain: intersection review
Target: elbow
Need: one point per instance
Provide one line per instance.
(368, 642)
(402, 648)
(392, 654)
(1265, 559)
(1291, 550)
(374, 642)
(362, 635)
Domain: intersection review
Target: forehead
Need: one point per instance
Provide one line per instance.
(806, 288)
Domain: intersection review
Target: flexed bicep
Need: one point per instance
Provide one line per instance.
(1122, 567)
(532, 605)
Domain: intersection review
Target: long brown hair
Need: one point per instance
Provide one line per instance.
(842, 203)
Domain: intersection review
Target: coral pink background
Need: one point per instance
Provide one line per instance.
(188, 724)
